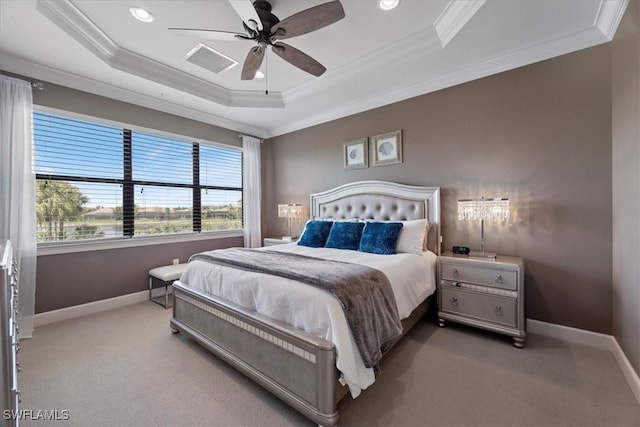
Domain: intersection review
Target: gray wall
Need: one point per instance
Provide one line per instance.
(626, 184)
(67, 99)
(66, 280)
(540, 135)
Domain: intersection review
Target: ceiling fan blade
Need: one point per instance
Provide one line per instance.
(298, 58)
(206, 34)
(246, 11)
(308, 20)
(252, 63)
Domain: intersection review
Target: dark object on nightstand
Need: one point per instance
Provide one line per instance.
(460, 250)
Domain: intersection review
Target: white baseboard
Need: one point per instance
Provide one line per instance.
(573, 335)
(591, 339)
(53, 316)
(627, 370)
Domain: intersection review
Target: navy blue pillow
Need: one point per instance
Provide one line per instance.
(345, 235)
(315, 234)
(380, 237)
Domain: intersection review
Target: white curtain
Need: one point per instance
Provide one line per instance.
(252, 191)
(17, 191)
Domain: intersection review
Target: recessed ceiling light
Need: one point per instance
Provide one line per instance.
(141, 14)
(388, 4)
(259, 75)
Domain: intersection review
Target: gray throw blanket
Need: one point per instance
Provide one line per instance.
(365, 293)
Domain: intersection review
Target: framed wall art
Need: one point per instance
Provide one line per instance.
(356, 154)
(386, 148)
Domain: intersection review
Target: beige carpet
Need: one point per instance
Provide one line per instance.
(124, 368)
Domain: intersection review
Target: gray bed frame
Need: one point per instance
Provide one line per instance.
(298, 367)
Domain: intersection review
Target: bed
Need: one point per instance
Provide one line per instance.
(298, 364)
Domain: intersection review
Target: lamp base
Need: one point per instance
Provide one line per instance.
(479, 254)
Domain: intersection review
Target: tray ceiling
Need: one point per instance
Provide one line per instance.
(372, 57)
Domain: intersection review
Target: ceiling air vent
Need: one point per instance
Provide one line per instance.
(210, 59)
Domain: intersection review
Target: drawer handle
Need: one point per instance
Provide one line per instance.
(498, 310)
(454, 301)
(455, 272)
(498, 279)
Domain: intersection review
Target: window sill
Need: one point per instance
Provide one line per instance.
(98, 245)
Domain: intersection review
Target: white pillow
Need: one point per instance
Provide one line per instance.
(412, 236)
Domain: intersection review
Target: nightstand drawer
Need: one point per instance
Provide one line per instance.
(507, 279)
(483, 306)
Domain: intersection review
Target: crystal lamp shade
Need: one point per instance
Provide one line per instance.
(289, 211)
(480, 209)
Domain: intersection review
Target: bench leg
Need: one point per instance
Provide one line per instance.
(166, 295)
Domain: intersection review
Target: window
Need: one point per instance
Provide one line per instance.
(97, 181)
(221, 183)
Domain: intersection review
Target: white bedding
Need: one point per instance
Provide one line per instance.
(412, 278)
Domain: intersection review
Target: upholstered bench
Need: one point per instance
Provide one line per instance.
(162, 278)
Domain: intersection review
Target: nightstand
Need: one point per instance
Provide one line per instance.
(484, 293)
(271, 241)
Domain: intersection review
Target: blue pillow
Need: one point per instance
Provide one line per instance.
(345, 235)
(380, 237)
(315, 234)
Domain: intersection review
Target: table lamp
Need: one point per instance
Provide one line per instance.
(289, 211)
(481, 209)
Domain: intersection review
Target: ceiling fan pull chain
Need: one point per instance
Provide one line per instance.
(266, 73)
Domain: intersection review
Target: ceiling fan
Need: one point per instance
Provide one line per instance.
(266, 29)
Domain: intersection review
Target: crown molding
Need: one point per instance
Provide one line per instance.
(609, 16)
(411, 48)
(71, 20)
(454, 17)
(448, 78)
(17, 65)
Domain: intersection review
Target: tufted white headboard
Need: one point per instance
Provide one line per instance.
(381, 201)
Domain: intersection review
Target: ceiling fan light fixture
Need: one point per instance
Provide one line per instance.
(388, 4)
(253, 25)
(141, 14)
